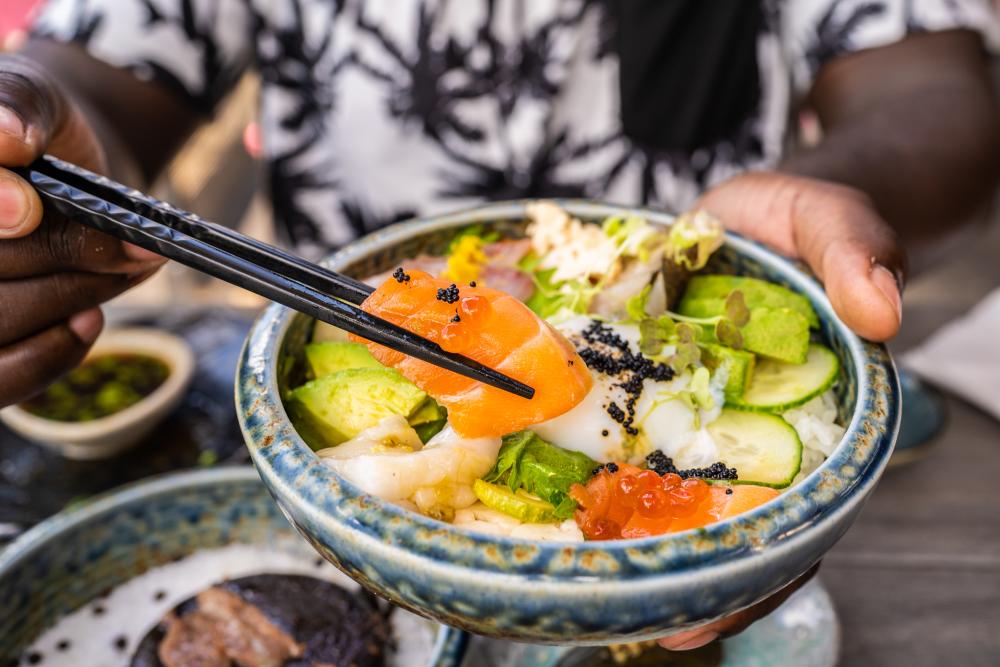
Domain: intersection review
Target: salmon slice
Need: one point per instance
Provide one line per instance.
(721, 505)
(493, 328)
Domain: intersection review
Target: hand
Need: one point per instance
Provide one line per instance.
(734, 623)
(54, 273)
(837, 232)
(834, 229)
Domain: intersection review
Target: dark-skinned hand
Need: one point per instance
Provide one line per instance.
(54, 273)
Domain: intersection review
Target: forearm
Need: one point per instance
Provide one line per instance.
(913, 129)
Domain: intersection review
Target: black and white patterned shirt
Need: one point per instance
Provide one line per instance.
(377, 110)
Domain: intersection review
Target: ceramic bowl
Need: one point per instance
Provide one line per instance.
(111, 435)
(589, 593)
(79, 556)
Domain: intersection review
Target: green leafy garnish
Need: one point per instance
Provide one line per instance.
(736, 308)
(654, 333)
(633, 236)
(688, 353)
(635, 307)
(727, 333)
(697, 394)
(688, 334)
(528, 462)
(550, 297)
(693, 238)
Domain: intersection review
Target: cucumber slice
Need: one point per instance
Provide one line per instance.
(518, 504)
(777, 386)
(764, 448)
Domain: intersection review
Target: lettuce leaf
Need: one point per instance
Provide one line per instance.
(528, 462)
(692, 239)
(551, 297)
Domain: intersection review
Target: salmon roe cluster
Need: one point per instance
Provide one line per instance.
(630, 502)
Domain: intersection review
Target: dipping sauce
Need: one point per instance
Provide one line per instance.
(101, 386)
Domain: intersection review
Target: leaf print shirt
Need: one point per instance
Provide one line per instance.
(377, 110)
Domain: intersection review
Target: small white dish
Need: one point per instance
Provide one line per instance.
(111, 435)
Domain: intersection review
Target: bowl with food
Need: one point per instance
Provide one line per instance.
(703, 428)
(195, 568)
(131, 379)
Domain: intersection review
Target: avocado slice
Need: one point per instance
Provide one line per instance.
(712, 290)
(740, 364)
(428, 419)
(329, 357)
(778, 333)
(337, 407)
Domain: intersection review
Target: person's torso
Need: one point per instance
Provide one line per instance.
(377, 111)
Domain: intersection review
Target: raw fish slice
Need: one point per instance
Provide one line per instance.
(506, 253)
(493, 328)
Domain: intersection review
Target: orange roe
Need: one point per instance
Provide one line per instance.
(632, 503)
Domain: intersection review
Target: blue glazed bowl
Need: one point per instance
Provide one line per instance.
(589, 593)
(80, 554)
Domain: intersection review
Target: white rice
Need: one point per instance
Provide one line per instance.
(816, 424)
(90, 635)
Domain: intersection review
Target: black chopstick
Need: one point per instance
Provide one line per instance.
(319, 277)
(120, 212)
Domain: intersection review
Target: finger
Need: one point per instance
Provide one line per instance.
(30, 365)
(32, 111)
(859, 259)
(835, 229)
(36, 117)
(38, 303)
(734, 623)
(59, 245)
(20, 207)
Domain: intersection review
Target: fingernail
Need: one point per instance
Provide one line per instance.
(687, 641)
(886, 282)
(142, 255)
(13, 205)
(87, 325)
(10, 123)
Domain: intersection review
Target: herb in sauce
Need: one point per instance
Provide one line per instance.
(100, 387)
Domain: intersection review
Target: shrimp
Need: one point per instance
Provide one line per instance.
(388, 461)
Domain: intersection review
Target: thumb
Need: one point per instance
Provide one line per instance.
(835, 230)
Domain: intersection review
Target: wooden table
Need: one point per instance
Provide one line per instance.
(916, 580)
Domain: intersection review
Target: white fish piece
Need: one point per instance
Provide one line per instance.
(392, 434)
(611, 301)
(445, 465)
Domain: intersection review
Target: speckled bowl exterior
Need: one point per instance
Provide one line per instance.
(80, 554)
(589, 593)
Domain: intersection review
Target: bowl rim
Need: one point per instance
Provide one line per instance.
(449, 643)
(838, 479)
(165, 346)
